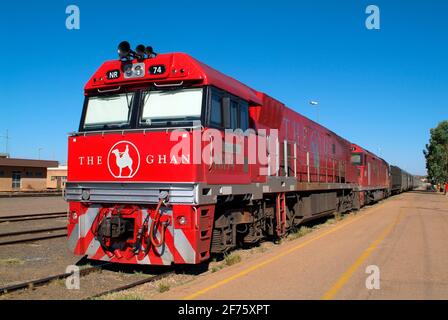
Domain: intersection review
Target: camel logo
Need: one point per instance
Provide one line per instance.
(123, 160)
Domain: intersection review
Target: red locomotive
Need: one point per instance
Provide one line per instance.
(373, 175)
(174, 160)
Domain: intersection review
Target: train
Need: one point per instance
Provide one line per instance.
(174, 162)
(402, 181)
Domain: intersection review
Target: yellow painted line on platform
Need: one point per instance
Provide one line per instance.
(352, 269)
(274, 258)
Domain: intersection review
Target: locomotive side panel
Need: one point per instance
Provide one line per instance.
(311, 153)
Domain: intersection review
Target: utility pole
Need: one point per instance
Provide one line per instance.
(38, 152)
(7, 137)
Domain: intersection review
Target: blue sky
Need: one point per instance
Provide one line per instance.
(383, 89)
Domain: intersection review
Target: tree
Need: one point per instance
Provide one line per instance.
(436, 154)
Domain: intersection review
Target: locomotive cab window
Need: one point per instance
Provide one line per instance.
(108, 111)
(356, 159)
(226, 111)
(171, 106)
(216, 111)
(234, 115)
(239, 115)
(244, 116)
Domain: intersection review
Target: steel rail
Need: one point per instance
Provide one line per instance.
(32, 216)
(24, 232)
(51, 236)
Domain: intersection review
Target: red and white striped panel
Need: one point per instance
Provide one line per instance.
(177, 248)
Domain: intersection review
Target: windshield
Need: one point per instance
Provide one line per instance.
(171, 106)
(108, 111)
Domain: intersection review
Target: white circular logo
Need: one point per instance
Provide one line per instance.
(123, 160)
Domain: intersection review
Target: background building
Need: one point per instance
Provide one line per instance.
(24, 174)
(56, 177)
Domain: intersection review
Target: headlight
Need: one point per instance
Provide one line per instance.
(136, 70)
(73, 215)
(182, 220)
(128, 71)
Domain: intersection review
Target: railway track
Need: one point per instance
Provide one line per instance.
(40, 234)
(50, 233)
(33, 231)
(45, 280)
(33, 216)
(32, 284)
